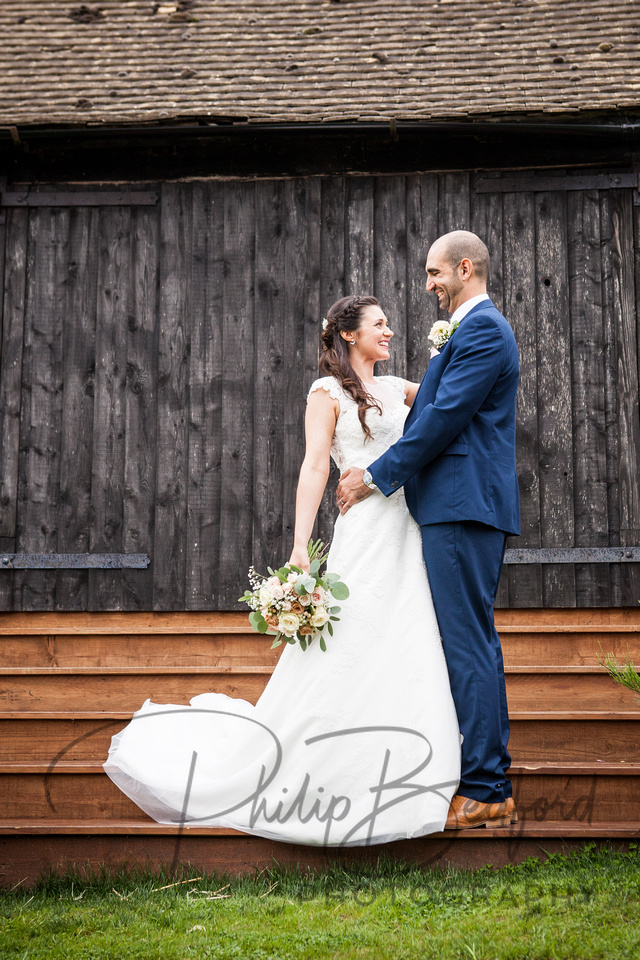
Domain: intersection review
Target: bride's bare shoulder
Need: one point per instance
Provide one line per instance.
(324, 396)
(410, 390)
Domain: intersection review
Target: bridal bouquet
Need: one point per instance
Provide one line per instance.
(295, 605)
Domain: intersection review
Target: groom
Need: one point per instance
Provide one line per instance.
(457, 464)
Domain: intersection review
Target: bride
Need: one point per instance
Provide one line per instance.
(355, 746)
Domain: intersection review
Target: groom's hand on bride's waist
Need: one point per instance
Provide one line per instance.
(351, 489)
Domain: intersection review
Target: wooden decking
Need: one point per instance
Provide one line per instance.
(70, 681)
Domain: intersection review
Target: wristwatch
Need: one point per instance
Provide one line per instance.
(368, 479)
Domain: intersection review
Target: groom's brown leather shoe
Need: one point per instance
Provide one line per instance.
(465, 813)
(511, 809)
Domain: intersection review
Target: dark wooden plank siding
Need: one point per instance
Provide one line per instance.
(524, 583)
(390, 264)
(13, 315)
(611, 399)
(174, 345)
(358, 239)
(554, 394)
(238, 377)
(300, 318)
(166, 352)
(422, 308)
(140, 404)
(205, 395)
(107, 484)
(39, 470)
(625, 314)
(587, 388)
(76, 450)
(335, 228)
(270, 372)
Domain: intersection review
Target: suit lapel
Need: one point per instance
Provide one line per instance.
(436, 366)
(429, 383)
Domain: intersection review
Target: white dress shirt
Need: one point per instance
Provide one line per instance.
(464, 308)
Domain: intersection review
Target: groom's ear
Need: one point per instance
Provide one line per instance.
(466, 268)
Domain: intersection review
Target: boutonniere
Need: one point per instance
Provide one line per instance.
(441, 331)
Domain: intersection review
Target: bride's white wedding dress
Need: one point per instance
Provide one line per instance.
(356, 745)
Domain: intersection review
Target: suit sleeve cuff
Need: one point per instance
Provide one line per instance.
(385, 486)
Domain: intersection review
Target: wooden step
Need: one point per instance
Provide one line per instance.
(28, 849)
(542, 791)
(130, 650)
(148, 828)
(557, 647)
(608, 738)
(132, 670)
(537, 618)
(530, 620)
(554, 646)
(569, 690)
(125, 689)
(528, 767)
(130, 624)
(536, 736)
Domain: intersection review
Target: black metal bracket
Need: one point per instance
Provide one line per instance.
(574, 555)
(73, 561)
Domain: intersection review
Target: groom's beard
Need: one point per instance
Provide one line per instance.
(449, 293)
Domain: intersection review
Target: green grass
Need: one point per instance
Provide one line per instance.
(580, 907)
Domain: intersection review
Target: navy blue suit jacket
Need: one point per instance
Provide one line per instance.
(457, 458)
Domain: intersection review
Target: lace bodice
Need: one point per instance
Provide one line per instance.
(350, 447)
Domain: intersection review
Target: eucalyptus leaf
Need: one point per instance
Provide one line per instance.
(330, 628)
(323, 645)
(276, 643)
(340, 590)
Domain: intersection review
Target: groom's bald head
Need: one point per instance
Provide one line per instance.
(462, 245)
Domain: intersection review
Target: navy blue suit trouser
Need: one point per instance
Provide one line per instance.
(463, 561)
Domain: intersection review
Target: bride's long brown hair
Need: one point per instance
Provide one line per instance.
(346, 314)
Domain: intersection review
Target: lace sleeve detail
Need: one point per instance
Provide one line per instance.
(330, 384)
(397, 384)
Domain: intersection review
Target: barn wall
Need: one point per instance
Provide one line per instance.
(155, 362)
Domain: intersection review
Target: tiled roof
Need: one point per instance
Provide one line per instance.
(282, 60)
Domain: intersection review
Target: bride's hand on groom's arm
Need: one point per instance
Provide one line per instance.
(351, 489)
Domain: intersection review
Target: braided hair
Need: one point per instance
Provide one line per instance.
(346, 314)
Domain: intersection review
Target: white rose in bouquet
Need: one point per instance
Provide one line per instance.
(288, 623)
(320, 617)
(266, 597)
